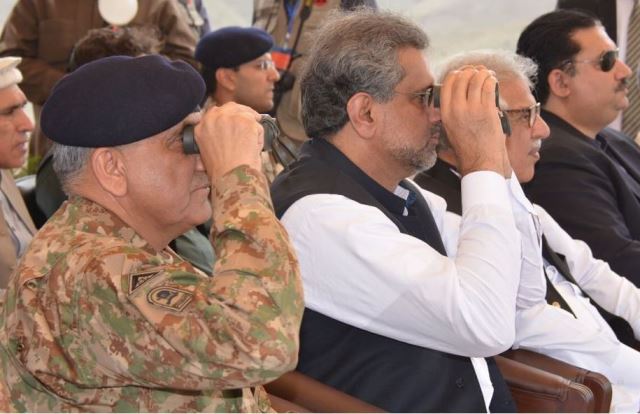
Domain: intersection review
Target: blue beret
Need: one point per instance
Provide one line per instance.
(118, 100)
(232, 46)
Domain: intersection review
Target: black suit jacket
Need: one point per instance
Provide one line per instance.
(605, 10)
(593, 193)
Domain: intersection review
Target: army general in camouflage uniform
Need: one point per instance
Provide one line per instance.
(101, 315)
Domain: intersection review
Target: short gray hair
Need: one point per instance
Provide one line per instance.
(68, 163)
(506, 65)
(355, 52)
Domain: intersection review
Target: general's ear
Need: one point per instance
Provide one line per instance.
(558, 81)
(110, 170)
(226, 78)
(361, 110)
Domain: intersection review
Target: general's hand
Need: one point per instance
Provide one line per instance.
(229, 136)
(470, 118)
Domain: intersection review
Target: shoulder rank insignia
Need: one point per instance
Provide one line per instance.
(170, 298)
(138, 279)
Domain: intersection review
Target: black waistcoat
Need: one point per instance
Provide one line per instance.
(390, 374)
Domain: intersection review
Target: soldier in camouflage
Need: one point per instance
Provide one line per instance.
(292, 24)
(101, 315)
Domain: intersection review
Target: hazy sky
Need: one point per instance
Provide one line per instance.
(452, 25)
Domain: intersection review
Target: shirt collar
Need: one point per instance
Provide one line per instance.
(395, 202)
(84, 214)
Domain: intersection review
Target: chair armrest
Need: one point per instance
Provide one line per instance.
(535, 390)
(596, 382)
(305, 391)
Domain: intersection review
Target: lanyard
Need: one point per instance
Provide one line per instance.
(291, 8)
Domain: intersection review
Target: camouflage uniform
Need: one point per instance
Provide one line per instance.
(270, 15)
(96, 320)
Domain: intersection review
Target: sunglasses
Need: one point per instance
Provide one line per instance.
(530, 114)
(606, 61)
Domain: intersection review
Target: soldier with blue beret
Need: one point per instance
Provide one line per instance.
(237, 67)
(100, 315)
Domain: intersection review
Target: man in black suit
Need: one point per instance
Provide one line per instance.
(556, 321)
(589, 176)
(616, 17)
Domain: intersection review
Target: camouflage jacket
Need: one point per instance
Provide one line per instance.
(271, 16)
(96, 320)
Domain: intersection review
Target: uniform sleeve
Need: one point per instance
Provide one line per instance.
(174, 328)
(614, 293)
(20, 37)
(360, 270)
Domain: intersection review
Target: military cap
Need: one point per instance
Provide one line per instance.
(118, 100)
(232, 46)
(9, 73)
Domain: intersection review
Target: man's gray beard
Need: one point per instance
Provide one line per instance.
(417, 161)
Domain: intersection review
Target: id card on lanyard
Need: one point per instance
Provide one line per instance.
(282, 54)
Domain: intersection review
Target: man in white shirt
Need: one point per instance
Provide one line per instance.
(569, 328)
(16, 226)
(390, 317)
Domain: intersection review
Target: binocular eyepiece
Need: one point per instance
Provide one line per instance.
(271, 133)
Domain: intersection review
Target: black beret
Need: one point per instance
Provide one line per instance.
(232, 46)
(119, 100)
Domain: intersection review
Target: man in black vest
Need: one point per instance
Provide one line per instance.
(588, 177)
(571, 329)
(404, 301)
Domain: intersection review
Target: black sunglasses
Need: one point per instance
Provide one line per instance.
(606, 61)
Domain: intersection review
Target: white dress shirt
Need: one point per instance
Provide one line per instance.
(586, 340)
(359, 269)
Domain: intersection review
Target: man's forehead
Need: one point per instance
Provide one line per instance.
(515, 92)
(593, 39)
(12, 96)
(415, 66)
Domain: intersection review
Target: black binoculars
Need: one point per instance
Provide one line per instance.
(271, 132)
(504, 121)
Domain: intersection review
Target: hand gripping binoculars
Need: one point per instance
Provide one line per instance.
(271, 133)
(504, 121)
